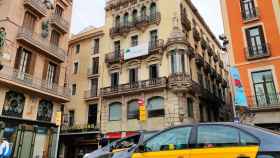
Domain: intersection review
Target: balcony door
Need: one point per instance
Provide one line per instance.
(58, 11)
(248, 9)
(51, 75)
(94, 87)
(256, 41)
(22, 63)
(92, 114)
(265, 91)
(29, 21)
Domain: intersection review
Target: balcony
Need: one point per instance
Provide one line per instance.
(93, 72)
(115, 4)
(37, 7)
(91, 95)
(250, 15)
(264, 102)
(60, 23)
(186, 23)
(30, 83)
(132, 88)
(258, 52)
(139, 23)
(79, 128)
(210, 97)
(181, 83)
(117, 56)
(39, 43)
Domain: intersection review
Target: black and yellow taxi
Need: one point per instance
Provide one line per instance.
(211, 140)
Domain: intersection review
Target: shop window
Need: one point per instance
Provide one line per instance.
(132, 109)
(13, 104)
(156, 107)
(115, 112)
(45, 111)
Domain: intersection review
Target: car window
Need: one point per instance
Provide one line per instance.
(217, 136)
(173, 139)
(127, 142)
(148, 135)
(246, 139)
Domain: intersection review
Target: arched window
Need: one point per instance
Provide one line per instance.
(143, 12)
(118, 21)
(125, 19)
(134, 15)
(132, 109)
(153, 11)
(45, 111)
(156, 107)
(14, 104)
(115, 111)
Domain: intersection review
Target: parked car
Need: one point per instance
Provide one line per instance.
(121, 148)
(211, 140)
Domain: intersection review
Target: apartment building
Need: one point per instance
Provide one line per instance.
(253, 29)
(32, 80)
(82, 124)
(164, 54)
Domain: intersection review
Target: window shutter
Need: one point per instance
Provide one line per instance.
(32, 60)
(45, 71)
(17, 60)
(248, 37)
(57, 74)
(262, 36)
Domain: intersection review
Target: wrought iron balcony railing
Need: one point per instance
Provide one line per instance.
(137, 23)
(181, 82)
(140, 86)
(37, 6)
(265, 101)
(155, 46)
(91, 94)
(37, 41)
(93, 71)
(61, 23)
(257, 52)
(79, 128)
(31, 82)
(250, 14)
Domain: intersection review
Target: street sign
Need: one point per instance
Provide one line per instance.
(58, 118)
(142, 110)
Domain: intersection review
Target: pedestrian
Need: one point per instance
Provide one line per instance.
(5, 150)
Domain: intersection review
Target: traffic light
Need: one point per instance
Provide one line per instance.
(142, 110)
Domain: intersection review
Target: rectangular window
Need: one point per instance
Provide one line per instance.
(71, 118)
(29, 21)
(92, 114)
(95, 65)
(114, 80)
(117, 49)
(265, 91)
(248, 9)
(153, 37)
(58, 11)
(96, 46)
(76, 67)
(190, 107)
(94, 87)
(51, 74)
(74, 89)
(77, 48)
(256, 43)
(133, 76)
(55, 36)
(134, 41)
(177, 63)
(153, 69)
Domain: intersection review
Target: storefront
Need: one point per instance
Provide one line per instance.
(29, 138)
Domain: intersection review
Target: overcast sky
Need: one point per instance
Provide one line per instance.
(91, 12)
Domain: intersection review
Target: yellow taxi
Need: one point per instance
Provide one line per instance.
(211, 140)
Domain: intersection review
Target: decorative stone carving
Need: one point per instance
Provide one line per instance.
(45, 29)
(45, 111)
(14, 104)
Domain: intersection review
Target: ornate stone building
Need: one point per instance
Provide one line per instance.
(32, 79)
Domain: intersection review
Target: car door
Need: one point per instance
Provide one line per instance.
(221, 141)
(172, 143)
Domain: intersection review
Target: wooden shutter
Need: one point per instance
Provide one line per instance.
(17, 59)
(248, 37)
(242, 8)
(32, 63)
(45, 70)
(57, 74)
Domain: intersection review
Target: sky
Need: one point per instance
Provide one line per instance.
(91, 13)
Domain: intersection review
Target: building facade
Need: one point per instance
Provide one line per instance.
(152, 50)
(253, 29)
(81, 126)
(32, 89)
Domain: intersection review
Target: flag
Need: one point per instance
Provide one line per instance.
(239, 94)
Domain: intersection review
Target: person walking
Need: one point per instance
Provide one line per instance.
(5, 150)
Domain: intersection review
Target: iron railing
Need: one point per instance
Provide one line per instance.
(43, 44)
(33, 82)
(250, 14)
(93, 93)
(36, 5)
(60, 22)
(134, 87)
(264, 100)
(259, 51)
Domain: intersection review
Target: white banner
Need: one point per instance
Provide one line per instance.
(136, 51)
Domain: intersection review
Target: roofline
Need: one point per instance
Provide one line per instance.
(94, 32)
(200, 18)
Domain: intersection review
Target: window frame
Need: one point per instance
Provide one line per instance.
(131, 116)
(109, 116)
(195, 137)
(74, 92)
(154, 113)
